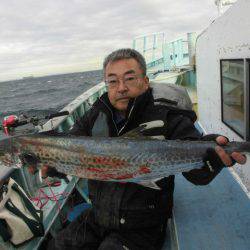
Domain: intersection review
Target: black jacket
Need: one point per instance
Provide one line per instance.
(129, 205)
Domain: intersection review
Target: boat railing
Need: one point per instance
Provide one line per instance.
(76, 109)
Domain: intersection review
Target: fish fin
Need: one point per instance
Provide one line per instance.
(152, 124)
(138, 132)
(150, 184)
(135, 133)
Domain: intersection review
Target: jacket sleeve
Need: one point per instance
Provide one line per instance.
(182, 127)
(81, 126)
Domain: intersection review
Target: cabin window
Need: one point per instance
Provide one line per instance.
(233, 104)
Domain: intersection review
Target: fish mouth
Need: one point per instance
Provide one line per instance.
(6, 152)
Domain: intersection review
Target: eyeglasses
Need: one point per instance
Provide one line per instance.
(128, 80)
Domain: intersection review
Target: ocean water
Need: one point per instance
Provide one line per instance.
(44, 95)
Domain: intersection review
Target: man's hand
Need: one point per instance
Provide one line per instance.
(51, 172)
(226, 158)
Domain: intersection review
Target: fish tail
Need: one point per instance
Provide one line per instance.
(244, 147)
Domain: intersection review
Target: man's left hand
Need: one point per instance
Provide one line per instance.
(226, 158)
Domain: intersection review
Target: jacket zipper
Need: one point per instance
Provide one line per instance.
(130, 112)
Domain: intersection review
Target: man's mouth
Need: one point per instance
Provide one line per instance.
(122, 99)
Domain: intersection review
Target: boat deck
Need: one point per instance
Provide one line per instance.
(215, 216)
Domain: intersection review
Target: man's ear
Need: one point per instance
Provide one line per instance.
(147, 82)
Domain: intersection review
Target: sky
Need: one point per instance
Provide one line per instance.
(62, 36)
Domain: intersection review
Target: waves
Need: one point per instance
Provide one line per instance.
(45, 95)
(33, 92)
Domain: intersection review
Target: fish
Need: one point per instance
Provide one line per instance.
(138, 160)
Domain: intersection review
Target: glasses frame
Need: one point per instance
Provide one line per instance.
(119, 79)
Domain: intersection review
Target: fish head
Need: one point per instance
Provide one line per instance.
(15, 154)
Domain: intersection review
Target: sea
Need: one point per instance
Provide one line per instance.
(45, 95)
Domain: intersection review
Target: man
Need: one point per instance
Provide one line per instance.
(130, 216)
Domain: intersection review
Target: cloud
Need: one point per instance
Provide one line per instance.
(48, 37)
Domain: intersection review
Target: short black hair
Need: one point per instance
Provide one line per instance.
(126, 53)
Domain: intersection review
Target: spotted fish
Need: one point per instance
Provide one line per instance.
(111, 159)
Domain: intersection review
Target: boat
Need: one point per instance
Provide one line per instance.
(209, 217)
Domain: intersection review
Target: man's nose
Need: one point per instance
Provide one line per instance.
(122, 87)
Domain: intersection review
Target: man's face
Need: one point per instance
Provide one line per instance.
(125, 81)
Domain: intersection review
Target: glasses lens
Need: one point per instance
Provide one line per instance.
(130, 80)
